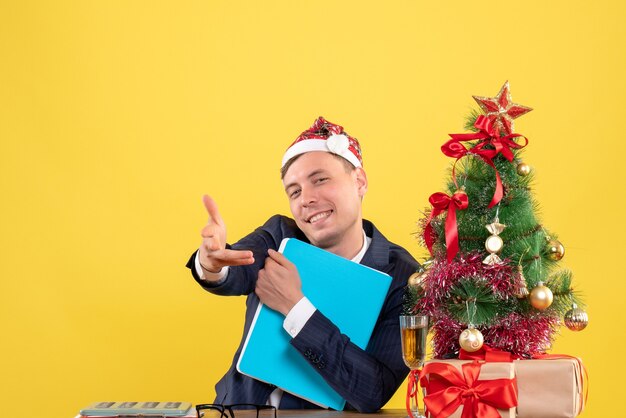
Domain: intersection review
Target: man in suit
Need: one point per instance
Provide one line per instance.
(323, 177)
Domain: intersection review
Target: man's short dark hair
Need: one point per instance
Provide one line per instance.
(347, 164)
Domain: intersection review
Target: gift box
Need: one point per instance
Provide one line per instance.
(549, 388)
(451, 385)
(552, 387)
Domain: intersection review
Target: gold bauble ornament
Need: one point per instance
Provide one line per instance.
(541, 297)
(471, 339)
(555, 250)
(417, 279)
(523, 169)
(576, 319)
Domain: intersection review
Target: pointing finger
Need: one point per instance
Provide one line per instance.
(211, 208)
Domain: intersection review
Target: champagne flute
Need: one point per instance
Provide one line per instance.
(414, 329)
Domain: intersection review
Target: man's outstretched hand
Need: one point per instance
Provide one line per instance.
(213, 254)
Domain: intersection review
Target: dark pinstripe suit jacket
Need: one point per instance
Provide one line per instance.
(366, 379)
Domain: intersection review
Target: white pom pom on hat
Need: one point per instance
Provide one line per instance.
(328, 137)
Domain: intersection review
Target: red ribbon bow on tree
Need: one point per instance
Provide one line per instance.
(441, 202)
(448, 389)
(488, 135)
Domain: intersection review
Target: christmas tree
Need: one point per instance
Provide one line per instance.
(494, 275)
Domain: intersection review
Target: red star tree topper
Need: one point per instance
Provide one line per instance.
(501, 110)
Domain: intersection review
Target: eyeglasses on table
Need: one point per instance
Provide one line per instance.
(228, 411)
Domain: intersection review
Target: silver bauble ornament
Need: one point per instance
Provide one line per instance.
(576, 319)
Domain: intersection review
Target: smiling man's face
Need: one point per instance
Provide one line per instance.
(325, 200)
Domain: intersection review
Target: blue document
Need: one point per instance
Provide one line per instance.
(349, 294)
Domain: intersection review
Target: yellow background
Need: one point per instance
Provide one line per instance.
(116, 116)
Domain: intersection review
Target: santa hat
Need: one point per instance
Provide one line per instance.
(328, 137)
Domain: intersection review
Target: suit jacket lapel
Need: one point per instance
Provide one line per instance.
(377, 255)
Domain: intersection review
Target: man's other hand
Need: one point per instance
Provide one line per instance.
(279, 285)
(213, 253)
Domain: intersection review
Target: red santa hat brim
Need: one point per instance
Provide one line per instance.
(309, 145)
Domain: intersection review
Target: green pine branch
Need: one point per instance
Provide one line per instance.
(471, 119)
(560, 283)
(473, 302)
